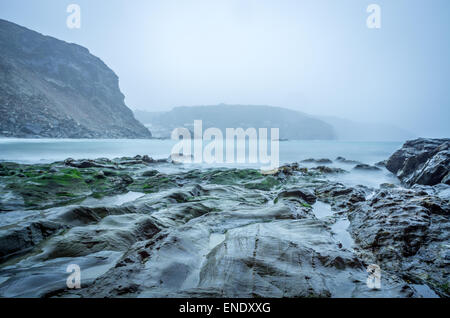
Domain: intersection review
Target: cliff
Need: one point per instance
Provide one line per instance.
(50, 88)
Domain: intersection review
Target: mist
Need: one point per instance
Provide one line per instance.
(318, 57)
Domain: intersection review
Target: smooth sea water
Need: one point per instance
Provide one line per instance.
(31, 151)
(50, 150)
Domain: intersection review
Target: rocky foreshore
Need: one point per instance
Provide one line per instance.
(137, 227)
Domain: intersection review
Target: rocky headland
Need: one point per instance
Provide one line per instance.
(139, 228)
(54, 89)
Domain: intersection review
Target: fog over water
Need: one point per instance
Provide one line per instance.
(50, 150)
(31, 151)
(318, 57)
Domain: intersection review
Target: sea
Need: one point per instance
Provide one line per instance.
(32, 151)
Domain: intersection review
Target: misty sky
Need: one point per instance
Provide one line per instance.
(317, 56)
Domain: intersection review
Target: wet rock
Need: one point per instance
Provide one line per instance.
(406, 232)
(53, 170)
(422, 161)
(221, 233)
(328, 170)
(387, 186)
(100, 175)
(381, 164)
(347, 161)
(286, 171)
(446, 179)
(81, 215)
(305, 195)
(148, 159)
(341, 196)
(364, 167)
(441, 190)
(49, 278)
(150, 173)
(318, 161)
(284, 258)
(299, 201)
(18, 240)
(112, 233)
(126, 179)
(45, 186)
(83, 164)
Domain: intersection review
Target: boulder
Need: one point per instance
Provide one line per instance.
(347, 161)
(422, 161)
(365, 167)
(319, 161)
(305, 195)
(328, 170)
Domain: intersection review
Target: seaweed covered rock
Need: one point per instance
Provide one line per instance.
(214, 232)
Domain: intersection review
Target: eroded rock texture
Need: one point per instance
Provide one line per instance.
(422, 161)
(137, 227)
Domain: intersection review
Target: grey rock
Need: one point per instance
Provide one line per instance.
(381, 164)
(422, 161)
(328, 170)
(347, 161)
(17, 240)
(364, 167)
(341, 197)
(319, 161)
(305, 195)
(53, 89)
(206, 233)
(406, 232)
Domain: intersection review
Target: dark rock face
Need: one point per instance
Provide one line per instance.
(341, 197)
(381, 164)
(305, 195)
(366, 167)
(422, 161)
(21, 239)
(407, 232)
(328, 170)
(347, 161)
(50, 88)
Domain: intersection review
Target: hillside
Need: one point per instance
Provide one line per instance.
(292, 124)
(50, 88)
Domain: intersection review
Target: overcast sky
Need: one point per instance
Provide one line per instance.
(317, 56)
